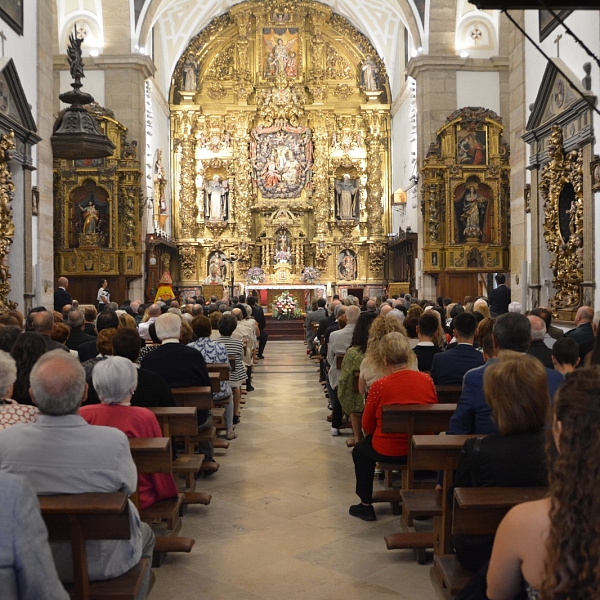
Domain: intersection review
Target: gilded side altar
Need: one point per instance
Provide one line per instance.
(280, 129)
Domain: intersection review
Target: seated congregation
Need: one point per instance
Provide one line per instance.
(141, 408)
(498, 387)
(105, 416)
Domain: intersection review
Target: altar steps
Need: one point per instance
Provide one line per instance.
(285, 329)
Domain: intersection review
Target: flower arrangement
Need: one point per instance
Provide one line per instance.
(255, 275)
(310, 275)
(286, 307)
(283, 256)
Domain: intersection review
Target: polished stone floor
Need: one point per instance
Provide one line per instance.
(278, 524)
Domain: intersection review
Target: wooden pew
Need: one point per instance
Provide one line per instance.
(220, 370)
(413, 419)
(478, 511)
(93, 516)
(199, 397)
(448, 394)
(180, 422)
(432, 453)
(153, 455)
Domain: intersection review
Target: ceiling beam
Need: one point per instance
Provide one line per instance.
(535, 4)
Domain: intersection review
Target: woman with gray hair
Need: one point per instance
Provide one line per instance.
(12, 412)
(115, 380)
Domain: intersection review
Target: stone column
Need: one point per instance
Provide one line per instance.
(518, 165)
(44, 287)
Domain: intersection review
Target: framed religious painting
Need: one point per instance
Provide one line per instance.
(11, 11)
(471, 147)
(280, 52)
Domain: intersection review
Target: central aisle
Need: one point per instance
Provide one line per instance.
(278, 524)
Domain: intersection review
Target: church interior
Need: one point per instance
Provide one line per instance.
(334, 148)
(349, 147)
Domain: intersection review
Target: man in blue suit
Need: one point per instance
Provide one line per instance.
(450, 367)
(512, 331)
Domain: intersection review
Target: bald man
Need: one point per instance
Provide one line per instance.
(583, 331)
(538, 348)
(61, 296)
(153, 313)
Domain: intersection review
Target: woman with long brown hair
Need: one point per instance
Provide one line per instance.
(553, 545)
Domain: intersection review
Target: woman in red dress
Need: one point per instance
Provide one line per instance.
(401, 386)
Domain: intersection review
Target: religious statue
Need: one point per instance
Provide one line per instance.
(346, 197)
(217, 259)
(473, 209)
(347, 266)
(160, 182)
(189, 75)
(213, 276)
(90, 218)
(217, 191)
(370, 75)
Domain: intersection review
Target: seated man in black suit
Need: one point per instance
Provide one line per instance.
(43, 322)
(106, 319)
(181, 367)
(426, 349)
(77, 336)
(152, 389)
(538, 348)
(449, 367)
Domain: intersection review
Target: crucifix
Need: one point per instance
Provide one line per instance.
(3, 38)
(557, 42)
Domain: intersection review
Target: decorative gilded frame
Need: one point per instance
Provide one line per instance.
(567, 249)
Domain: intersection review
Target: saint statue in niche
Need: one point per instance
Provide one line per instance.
(189, 75)
(471, 207)
(217, 192)
(90, 218)
(347, 265)
(346, 198)
(370, 74)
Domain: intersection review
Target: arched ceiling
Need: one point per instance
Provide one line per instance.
(180, 20)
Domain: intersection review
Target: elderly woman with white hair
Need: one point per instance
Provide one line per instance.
(12, 412)
(115, 380)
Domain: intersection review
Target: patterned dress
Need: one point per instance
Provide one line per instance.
(214, 352)
(12, 412)
(235, 348)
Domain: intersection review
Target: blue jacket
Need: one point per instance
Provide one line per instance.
(473, 414)
(450, 367)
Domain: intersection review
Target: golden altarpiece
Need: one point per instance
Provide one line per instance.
(465, 200)
(280, 128)
(97, 215)
(560, 135)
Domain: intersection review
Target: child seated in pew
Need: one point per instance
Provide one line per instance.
(115, 380)
(552, 546)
